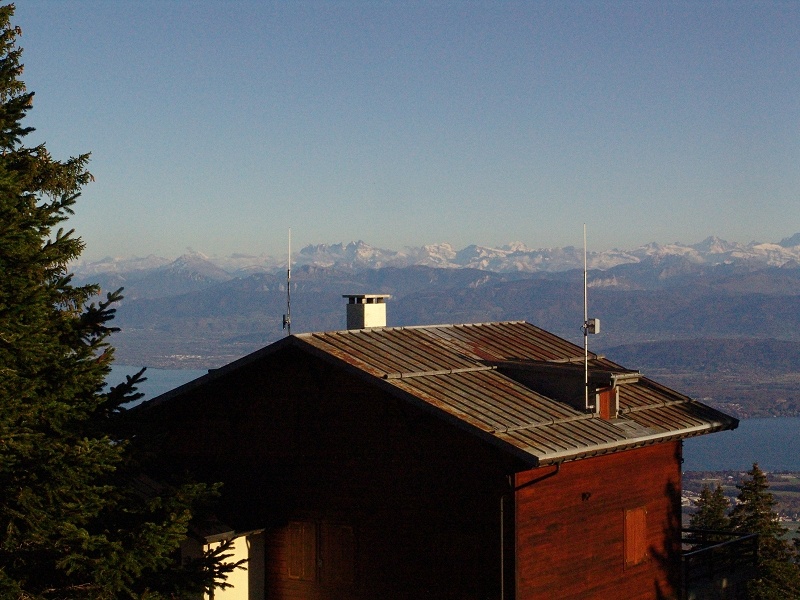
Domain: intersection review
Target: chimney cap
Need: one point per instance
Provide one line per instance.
(366, 298)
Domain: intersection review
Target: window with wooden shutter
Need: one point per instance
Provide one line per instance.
(635, 536)
(338, 553)
(302, 559)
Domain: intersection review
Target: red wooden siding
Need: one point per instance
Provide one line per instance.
(604, 527)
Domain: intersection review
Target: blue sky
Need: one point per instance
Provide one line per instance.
(217, 125)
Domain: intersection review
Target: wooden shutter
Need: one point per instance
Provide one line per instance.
(635, 536)
(302, 550)
(338, 553)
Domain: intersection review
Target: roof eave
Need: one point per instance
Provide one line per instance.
(631, 444)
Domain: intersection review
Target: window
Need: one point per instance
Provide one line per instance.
(321, 552)
(635, 536)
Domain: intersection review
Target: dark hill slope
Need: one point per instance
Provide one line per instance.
(747, 377)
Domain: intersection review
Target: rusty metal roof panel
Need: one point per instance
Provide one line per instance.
(505, 341)
(453, 369)
(677, 416)
(489, 397)
(438, 347)
(382, 351)
(575, 435)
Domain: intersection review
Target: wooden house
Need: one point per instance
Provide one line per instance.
(438, 462)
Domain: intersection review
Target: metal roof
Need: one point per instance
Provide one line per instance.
(453, 371)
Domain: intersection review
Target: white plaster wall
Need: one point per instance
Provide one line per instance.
(248, 582)
(360, 316)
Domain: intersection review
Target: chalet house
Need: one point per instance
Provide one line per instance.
(439, 462)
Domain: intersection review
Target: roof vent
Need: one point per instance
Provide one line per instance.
(366, 310)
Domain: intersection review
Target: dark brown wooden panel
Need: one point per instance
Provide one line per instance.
(302, 551)
(404, 504)
(296, 440)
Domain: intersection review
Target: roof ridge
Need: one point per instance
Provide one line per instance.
(403, 327)
(409, 374)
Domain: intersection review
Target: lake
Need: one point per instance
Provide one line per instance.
(773, 443)
(158, 380)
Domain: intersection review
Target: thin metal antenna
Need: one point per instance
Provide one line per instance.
(589, 326)
(585, 326)
(287, 318)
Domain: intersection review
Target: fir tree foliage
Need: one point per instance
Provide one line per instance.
(777, 569)
(778, 572)
(778, 575)
(755, 513)
(78, 519)
(712, 510)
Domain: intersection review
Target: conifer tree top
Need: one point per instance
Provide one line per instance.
(73, 523)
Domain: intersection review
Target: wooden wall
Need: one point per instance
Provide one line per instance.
(363, 496)
(326, 462)
(572, 525)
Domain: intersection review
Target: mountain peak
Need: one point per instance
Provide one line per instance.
(516, 247)
(790, 242)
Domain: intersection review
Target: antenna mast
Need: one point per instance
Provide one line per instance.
(585, 326)
(589, 326)
(287, 318)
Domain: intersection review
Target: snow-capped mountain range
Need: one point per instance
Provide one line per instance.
(515, 257)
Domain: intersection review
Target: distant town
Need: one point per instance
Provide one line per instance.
(784, 486)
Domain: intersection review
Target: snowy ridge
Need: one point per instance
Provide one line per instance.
(514, 257)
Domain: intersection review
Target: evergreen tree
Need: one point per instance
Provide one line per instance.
(77, 518)
(754, 512)
(778, 575)
(712, 510)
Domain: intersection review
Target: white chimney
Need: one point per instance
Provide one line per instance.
(366, 310)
